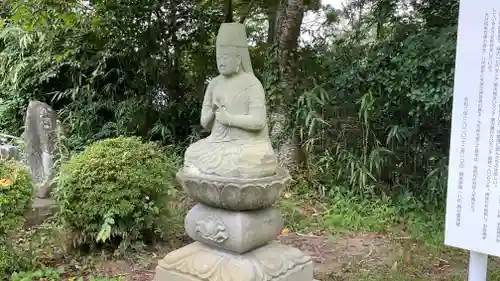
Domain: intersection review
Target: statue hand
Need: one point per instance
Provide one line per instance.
(223, 117)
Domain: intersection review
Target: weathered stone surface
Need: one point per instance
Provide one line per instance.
(198, 262)
(40, 140)
(234, 231)
(9, 152)
(237, 194)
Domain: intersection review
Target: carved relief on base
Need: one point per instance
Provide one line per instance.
(212, 228)
(234, 194)
(268, 263)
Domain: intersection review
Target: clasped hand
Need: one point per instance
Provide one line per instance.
(222, 116)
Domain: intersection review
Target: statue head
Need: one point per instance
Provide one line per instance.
(228, 62)
(232, 49)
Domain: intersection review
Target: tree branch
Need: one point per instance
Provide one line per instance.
(249, 8)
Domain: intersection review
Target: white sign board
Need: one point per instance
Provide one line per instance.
(473, 203)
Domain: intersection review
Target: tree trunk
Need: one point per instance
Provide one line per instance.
(288, 24)
(228, 5)
(289, 20)
(272, 14)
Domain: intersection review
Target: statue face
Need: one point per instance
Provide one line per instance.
(228, 63)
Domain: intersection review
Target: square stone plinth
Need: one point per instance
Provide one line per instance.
(199, 262)
(40, 210)
(234, 231)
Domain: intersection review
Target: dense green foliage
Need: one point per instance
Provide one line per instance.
(379, 123)
(106, 73)
(116, 190)
(371, 102)
(6, 264)
(16, 195)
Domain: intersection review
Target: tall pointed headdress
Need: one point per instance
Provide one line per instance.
(234, 37)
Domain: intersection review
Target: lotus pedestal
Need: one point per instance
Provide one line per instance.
(233, 225)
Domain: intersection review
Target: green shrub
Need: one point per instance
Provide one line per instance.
(16, 195)
(6, 256)
(116, 190)
(48, 274)
(56, 274)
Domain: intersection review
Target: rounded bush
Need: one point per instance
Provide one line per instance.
(16, 195)
(116, 189)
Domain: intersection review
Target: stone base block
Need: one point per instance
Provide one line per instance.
(238, 232)
(40, 210)
(199, 262)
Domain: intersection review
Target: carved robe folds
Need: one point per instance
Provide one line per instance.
(242, 148)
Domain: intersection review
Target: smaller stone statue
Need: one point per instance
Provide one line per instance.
(40, 140)
(234, 110)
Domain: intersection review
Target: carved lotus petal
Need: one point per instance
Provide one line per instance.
(209, 191)
(275, 190)
(232, 195)
(235, 194)
(254, 195)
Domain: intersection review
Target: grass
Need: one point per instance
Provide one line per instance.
(418, 236)
(493, 274)
(340, 214)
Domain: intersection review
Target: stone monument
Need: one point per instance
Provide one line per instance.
(40, 140)
(234, 176)
(9, 152)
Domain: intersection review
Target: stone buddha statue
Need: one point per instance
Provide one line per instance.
(234, 111)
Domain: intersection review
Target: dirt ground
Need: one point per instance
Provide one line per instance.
(336, 257)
